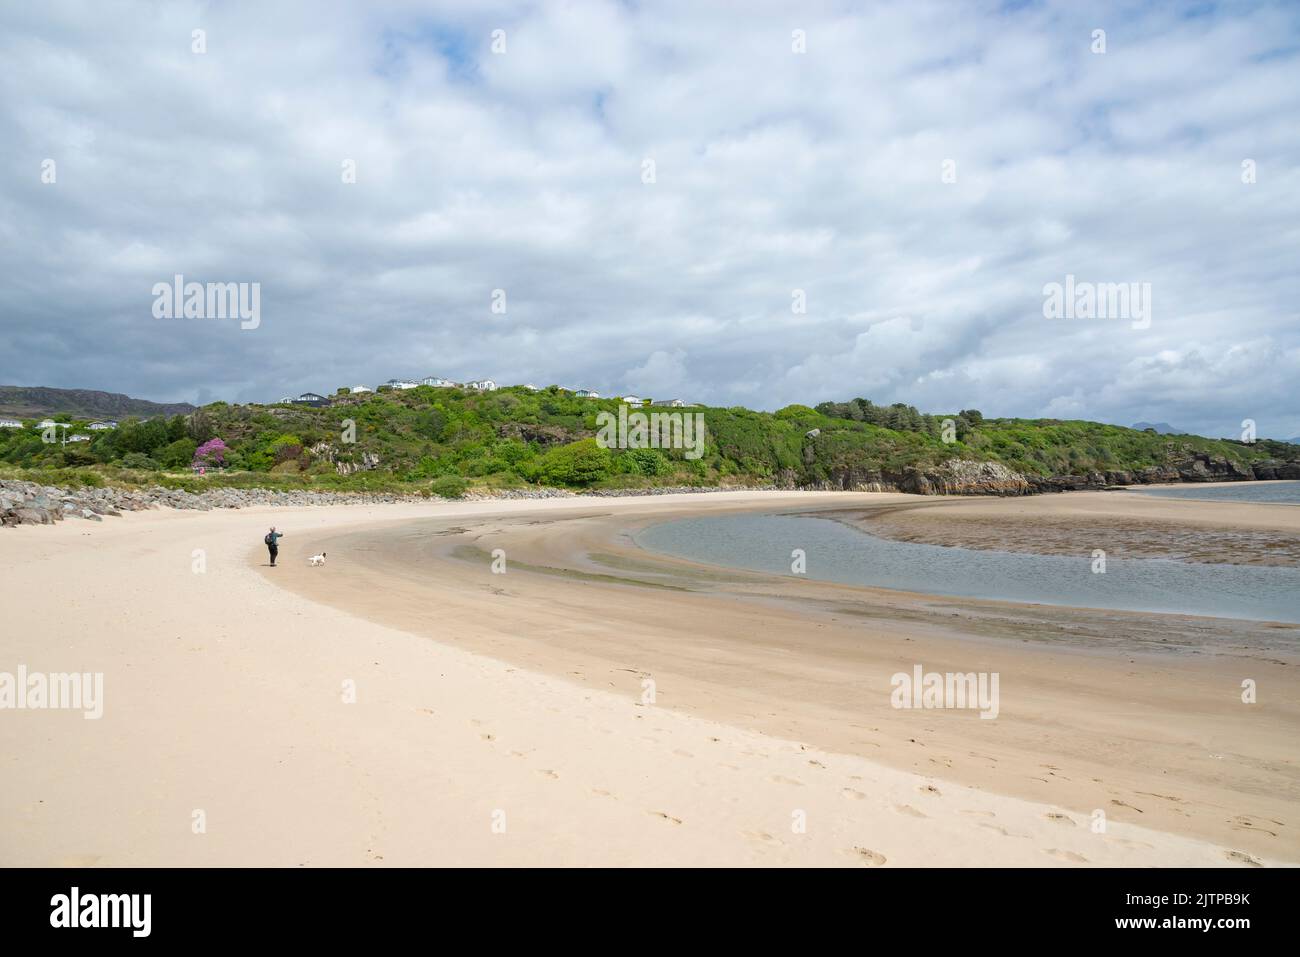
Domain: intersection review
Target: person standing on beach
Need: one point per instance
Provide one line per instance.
(273, 543)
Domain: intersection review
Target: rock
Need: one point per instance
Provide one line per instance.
(31, 515)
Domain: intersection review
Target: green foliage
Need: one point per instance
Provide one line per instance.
(455, 439)
(578, 463)
(650, 462)
(178, 454)
(449, 486)
(138, 460)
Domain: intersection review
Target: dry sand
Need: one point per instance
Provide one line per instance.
(516, 699)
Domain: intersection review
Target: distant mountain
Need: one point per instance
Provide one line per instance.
(1164, 428)
(24, 402)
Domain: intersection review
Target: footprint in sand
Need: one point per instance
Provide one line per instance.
(547, 773)
(978, 813)
(666, 817)
(601, 792)
(1058, 818)
(869, 857)
(682, 754)
(852, 794)
(1068, 856)
(782, 779)
(761, 837)
(488, 737)
(996, 827)
(909, 811)
(1240, 823)
(930, 789)
(1125, 842)
(1241, 857)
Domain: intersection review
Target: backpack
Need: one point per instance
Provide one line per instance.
(270, 538)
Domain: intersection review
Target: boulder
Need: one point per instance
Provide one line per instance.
(31, 515)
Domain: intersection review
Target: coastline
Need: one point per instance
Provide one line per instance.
(222, 693)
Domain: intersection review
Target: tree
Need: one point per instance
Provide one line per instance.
(211, 454)
(179, 454)
(199, 426)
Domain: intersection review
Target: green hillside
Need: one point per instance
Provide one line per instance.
(445, 440)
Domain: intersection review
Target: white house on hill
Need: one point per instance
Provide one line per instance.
(101, 426)
(361, 389)
(402, 384)
(483, 385)
(669, 403)
(10, 424)
(586, 394)
(632, 399)
(438, 382)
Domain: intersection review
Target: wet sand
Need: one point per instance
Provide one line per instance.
(1125, 524)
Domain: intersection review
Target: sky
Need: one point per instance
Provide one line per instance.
(750, 204)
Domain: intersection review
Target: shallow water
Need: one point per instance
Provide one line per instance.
(1287, 493)
(839, 553)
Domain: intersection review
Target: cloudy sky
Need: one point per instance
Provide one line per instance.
(655, 187)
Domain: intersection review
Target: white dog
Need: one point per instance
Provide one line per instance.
(317, 559)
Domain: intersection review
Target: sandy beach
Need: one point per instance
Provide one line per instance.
(407, 705)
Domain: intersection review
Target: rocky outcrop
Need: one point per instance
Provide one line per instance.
(544, 435)
(955, 477)
(1273, 471)
(365, 462)
(1198, 468)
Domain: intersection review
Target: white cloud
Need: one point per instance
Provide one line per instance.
(775, 171)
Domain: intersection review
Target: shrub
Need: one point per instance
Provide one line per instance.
(646, 462)
(578, 463)
(138, 460)
(449, 486)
